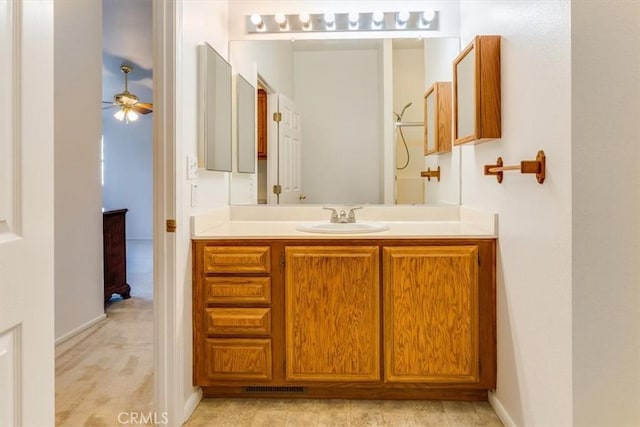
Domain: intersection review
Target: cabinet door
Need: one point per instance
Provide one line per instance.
(332, 313)
(431, 314)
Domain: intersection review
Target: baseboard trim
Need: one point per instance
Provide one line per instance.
(191, 403)
(79, 329)
(500, 411)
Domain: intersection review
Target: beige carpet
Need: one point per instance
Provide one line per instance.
(108, 369)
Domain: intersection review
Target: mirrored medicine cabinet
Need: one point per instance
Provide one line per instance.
(437, 118)
(476, 92)
(215, 145)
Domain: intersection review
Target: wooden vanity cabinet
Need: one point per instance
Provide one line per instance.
(345, 318)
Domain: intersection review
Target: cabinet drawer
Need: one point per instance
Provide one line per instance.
(236, 321)
(231, 358)
(234, 290)
(237, 259)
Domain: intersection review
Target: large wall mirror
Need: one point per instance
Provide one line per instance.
(215, 143)
(359, 107)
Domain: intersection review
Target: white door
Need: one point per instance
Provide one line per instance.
(26, 214)
(289, 152)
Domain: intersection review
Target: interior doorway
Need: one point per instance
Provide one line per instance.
(109, 367)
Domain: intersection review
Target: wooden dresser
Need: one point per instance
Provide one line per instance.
(115, 254)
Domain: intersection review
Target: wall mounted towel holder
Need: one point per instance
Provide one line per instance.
(537, 166)
(431, 174)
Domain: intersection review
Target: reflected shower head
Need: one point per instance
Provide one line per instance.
(399, 116)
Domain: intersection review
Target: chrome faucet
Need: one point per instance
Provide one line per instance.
(343, 217)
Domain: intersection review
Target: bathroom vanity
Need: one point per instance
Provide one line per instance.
(404, 313)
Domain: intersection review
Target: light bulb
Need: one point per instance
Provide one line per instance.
(119, 115)
(256, 19)
(353, 20)
(329, 18)
(403, 17)
(304, 18)
(280, 18)
(132, 116)
(378, 17)
(428, 15)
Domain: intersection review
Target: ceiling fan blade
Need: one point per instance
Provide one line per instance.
(106, 107)
(142, 108)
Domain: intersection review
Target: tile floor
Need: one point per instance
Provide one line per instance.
(336, 413)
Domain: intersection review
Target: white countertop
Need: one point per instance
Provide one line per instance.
(406, 222)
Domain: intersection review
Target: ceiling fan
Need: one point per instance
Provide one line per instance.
(130, 105)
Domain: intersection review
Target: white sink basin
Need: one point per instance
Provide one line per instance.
(343, 228)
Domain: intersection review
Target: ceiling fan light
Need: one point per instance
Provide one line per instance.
(119, 115)
(132, 116)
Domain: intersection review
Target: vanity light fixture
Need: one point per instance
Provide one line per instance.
(424, 20)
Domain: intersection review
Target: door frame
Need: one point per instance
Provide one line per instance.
(167, 361)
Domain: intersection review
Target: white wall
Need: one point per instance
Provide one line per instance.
(78, 203)
(198, 21)
(606, 212)
(128, 173)
(337, 96)
(534, 246)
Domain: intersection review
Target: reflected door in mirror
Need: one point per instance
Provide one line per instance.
(262, 124)
(476, 92)
(437, 117)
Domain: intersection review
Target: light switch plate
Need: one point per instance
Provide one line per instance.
(192, 167)
(194, 195)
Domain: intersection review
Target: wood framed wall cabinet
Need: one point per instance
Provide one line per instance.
(437, 118)
(476, 92)
(345, 318)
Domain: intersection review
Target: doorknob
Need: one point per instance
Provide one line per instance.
(302, 197)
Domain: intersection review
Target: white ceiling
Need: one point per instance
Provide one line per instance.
(127, 39)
